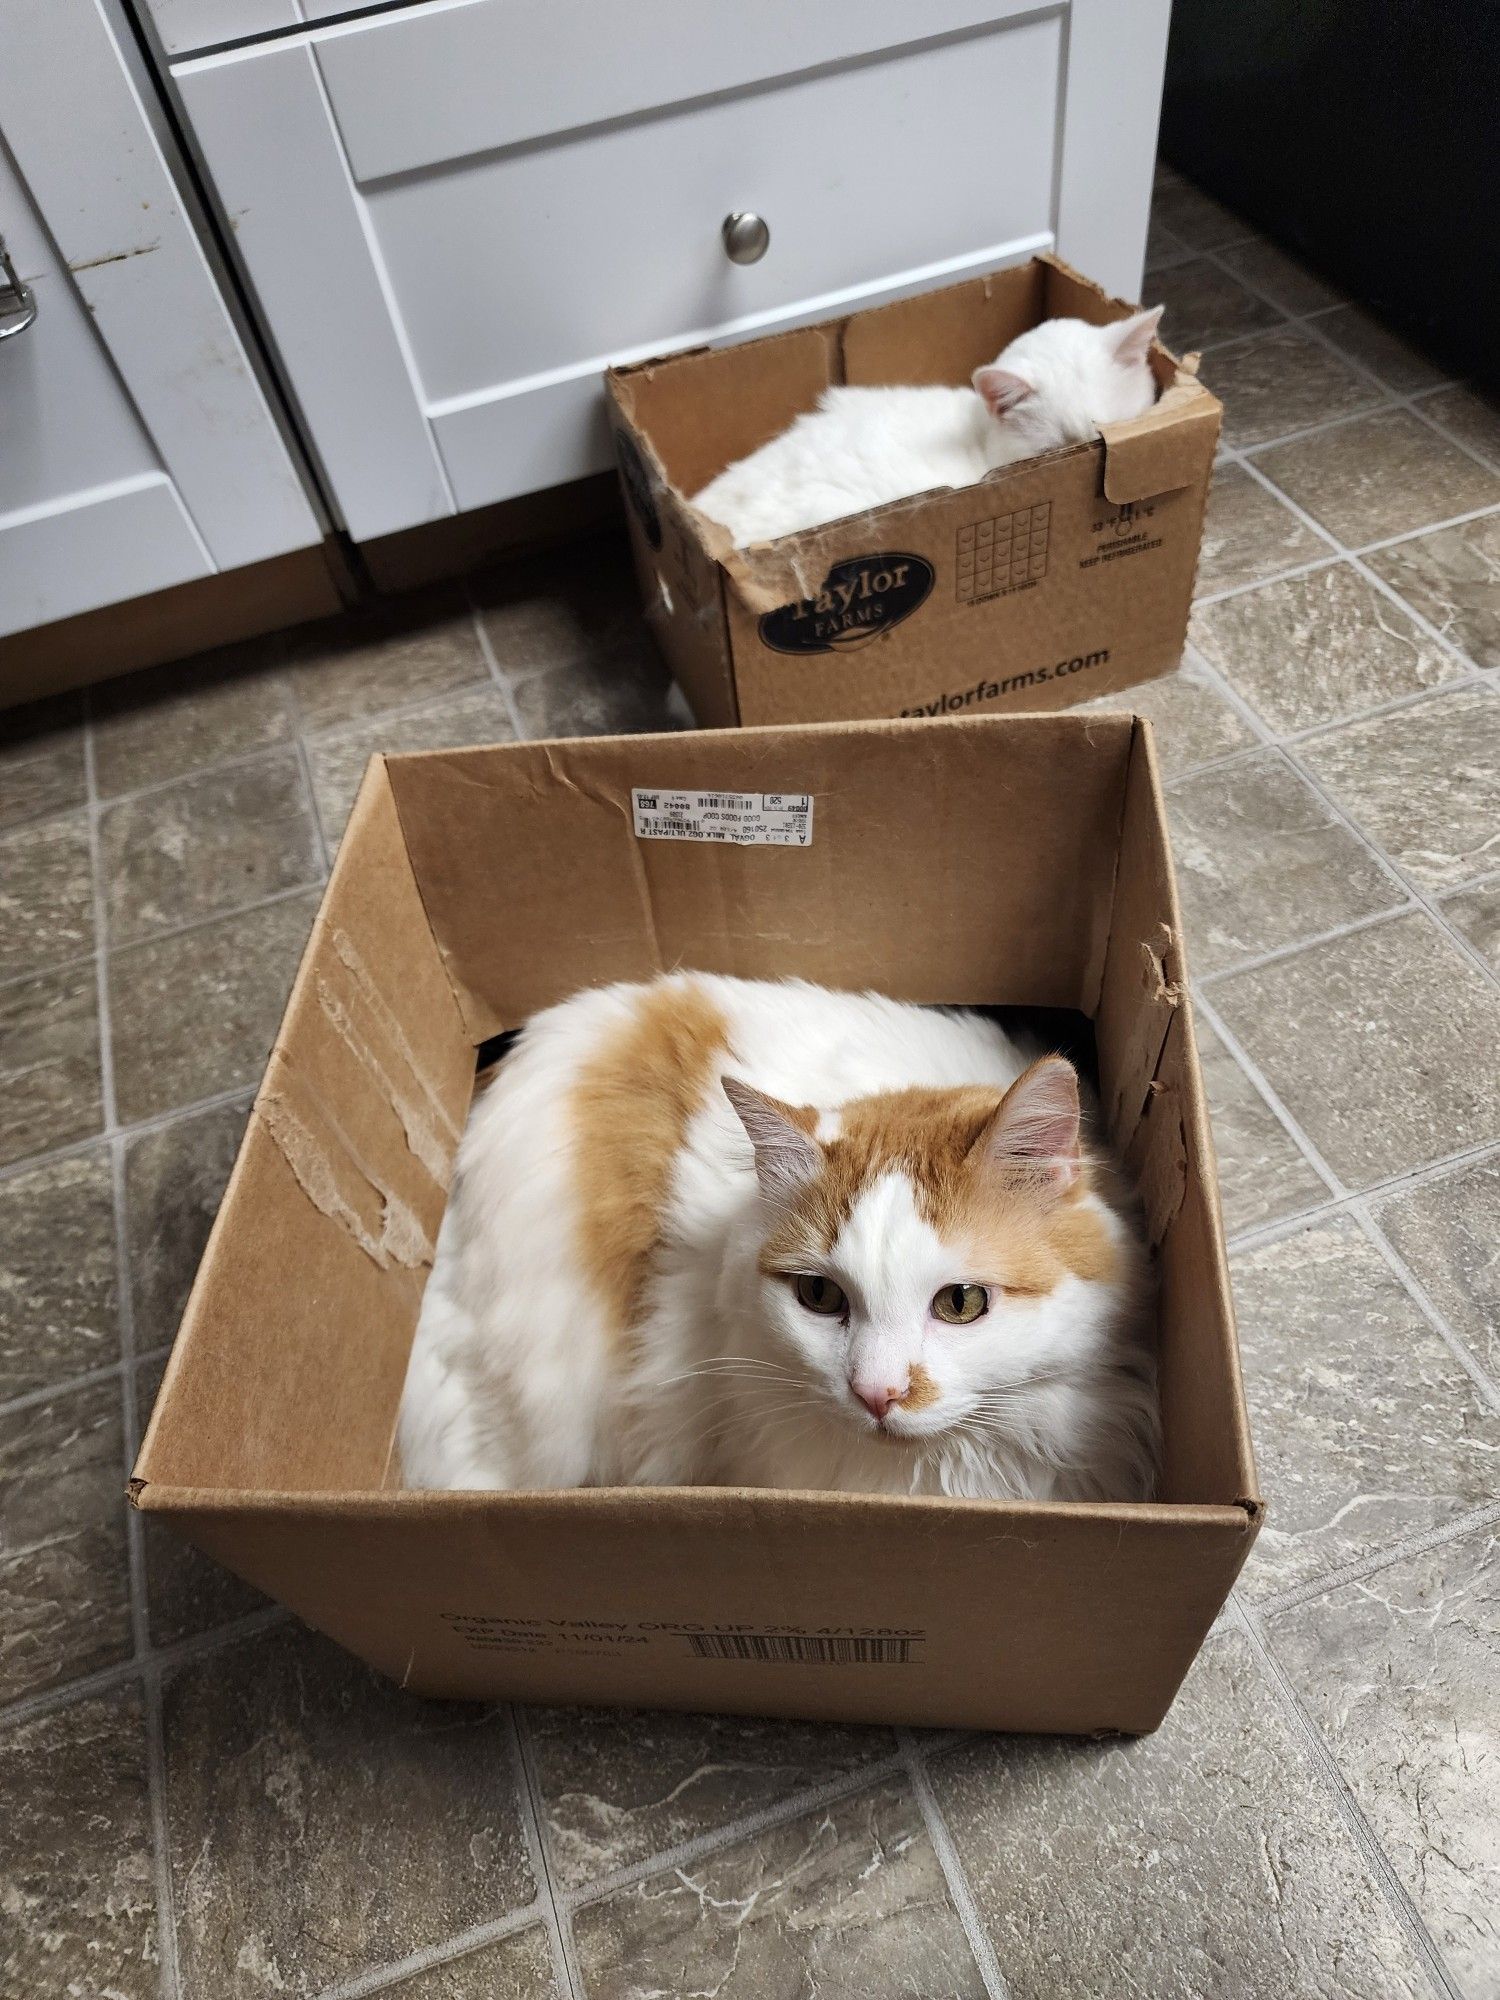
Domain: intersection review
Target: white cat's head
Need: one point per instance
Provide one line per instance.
(929, 1254)
(1056, 383)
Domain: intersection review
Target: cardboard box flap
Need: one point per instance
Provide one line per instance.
(896, 810)
(293, 1348)
(1165, 449)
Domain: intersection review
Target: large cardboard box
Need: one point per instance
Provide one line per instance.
(1052, 581)
(975, 860)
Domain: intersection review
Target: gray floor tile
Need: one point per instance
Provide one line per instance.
(1162, 247)
(158, 725)
(1448, 1231)
(1471, 415)
(321, 1822)
(518, 1968)
(1293, 285)
(339, 758)
(1262, 862)
(1476, 912)
(1312, 648)
(174, 1179)
(46, 894)
(1381, 475)
(211, 844)
(1262, 1175)
(577, 604)
(1191, 719)
(41, 758)
(1424, 783)
(76, 1881)
(619, 1786)
(848, 1904)
(1196, 218)
(1401, 1673)
(58, 1308)
(1280, 382)
(49, 1062)
(1249, 534)
(1385, 354)
(615, 693)
(64, 1588)
(1205, 305)
(1452, 577)
(1206, 1862)
(195, 1014)
(187, 1592)
(388, 656)
(1366, 1427)
(1384, 1046)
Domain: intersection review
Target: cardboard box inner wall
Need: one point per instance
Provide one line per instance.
(979, 861)
(1052, 581)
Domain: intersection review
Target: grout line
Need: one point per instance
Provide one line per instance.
(1426, 900)
(1345, 1803)
(107, 1679)
(1297, 945)
(491, 659)
(136, 1129)
(1440, 1323)
(1405, 1546)
(955, 1874)
(529, 1793)
(1257, 1076)
(304, 765)
(170, 931)
(397, 1971)
(865, 1777)
(1261, 1234)
(32, 1399)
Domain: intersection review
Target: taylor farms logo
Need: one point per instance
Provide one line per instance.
(638, 487)
(860, 599)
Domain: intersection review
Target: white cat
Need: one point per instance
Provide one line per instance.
(712, 1230)
(860, 448)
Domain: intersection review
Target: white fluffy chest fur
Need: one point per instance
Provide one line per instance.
(675, 1345)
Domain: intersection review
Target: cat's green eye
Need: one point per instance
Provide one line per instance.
(819, 1295)
(960, 1305)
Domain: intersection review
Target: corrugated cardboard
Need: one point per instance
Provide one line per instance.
(974, 860)
(1050, 582)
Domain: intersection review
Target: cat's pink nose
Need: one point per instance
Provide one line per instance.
(877, 1401)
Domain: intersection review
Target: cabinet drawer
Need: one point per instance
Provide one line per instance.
(469, 209)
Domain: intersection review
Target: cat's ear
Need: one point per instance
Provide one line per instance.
(1132, 337)
(1000, 390)
(1035, 1128)
(787, 1156)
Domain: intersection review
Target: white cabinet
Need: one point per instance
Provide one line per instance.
(456, 214)
(137, 450)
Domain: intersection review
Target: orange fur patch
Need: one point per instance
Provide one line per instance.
(923, 1390)
(631, 1108)
(1016, 1234)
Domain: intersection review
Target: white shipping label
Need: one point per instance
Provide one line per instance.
(748, 819)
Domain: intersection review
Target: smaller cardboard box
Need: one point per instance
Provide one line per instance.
(978, 861)
(1051, 581)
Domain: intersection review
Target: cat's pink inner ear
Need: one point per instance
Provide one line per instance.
(1037, 1127)
(787, 1157)
(1133, 336)
(1001, 390)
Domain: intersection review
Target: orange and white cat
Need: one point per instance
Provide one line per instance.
(711, 1230)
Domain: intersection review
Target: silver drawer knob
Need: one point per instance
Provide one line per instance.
(17, 301)
(747, 237)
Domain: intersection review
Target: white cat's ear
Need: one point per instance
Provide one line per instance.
(787, 1157)
(1036, 1127)
(1000, 390)
(1132, 337)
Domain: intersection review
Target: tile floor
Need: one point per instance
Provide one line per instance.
(201, 1799)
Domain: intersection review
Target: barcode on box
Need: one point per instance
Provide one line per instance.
(800, 1649)
(743, 819)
